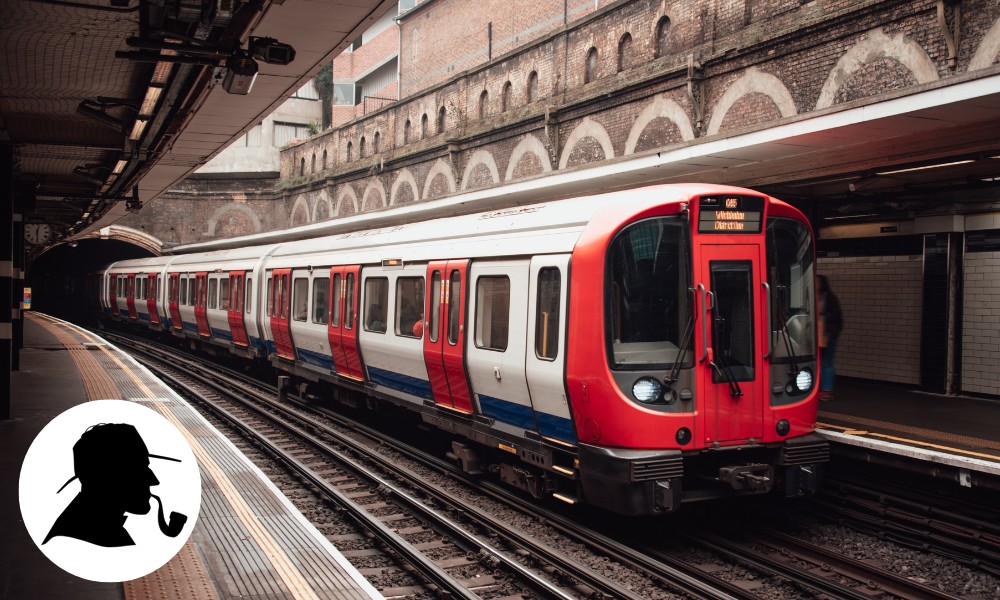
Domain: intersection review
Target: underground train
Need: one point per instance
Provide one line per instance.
(633, 350)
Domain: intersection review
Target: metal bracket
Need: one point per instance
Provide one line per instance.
(695, 81)
(949, 15)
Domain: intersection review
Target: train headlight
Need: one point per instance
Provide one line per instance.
(647, 390)
(802, 382)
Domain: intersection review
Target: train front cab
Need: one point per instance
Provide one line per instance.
(708, 351)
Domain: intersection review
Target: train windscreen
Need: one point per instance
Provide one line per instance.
(791, 276)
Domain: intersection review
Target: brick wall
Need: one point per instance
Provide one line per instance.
(981, 324)
(880, 297)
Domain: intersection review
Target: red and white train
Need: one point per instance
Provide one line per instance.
(631, 350)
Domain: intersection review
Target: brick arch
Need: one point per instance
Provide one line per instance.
(440, 168)
(301, 207)
(529, 145)
(323, 209)
(347, 202)
(405, 177)
(136, 237)
(875, 46)
(481, 157)
(588, 128)
(753, 81)
(989, 47)
(241, 210)
(374, 187)
(660, 108)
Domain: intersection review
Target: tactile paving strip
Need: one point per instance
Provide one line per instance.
(185, 576)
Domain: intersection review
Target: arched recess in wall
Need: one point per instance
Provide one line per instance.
(877, 45)
(397, 193)
(347, 202)
(753, 81)
(374, 196)
(484, 158)
(989, 48)
(300, 213)
(135, 237)
(528, 146)
(323, 208)
(243, 214)
(588, 128)
(440, 169)
(660, 108)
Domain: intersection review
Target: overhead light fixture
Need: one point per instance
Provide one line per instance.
(137, 129)
(119, 167)
(908, 170)
(148, 106)
(162, 71)
(850, 217)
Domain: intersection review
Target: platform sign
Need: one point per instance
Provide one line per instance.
(26, 302)
(730, 214)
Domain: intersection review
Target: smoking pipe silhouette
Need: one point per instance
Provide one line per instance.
(177, 520)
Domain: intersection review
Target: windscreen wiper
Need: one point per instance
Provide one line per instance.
(726, 372)
(793, 366)
(686, 339)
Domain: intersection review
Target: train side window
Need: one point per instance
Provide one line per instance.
(300, 298)
(349, 308)
(335, 302)
(249, 295)
(270, 297)
(285, 295)
(435, 304)
(145, 288)
(181, 291)
(224, 293)
(213, 293)
(376, 301)
(492, 312)
(454, 305)
(321, 287)
(547, 314)
(409, 306)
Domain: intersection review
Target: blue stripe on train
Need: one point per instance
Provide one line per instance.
(222, 334)
(316, 358)
(520, 415)
(403, 383)
(192, 327)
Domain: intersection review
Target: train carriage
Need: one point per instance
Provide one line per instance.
(632, 350)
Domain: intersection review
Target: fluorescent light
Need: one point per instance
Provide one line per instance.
(119, 167)
(149, 102)
(950, 164)
(162, 72)
(137, 130)
(850, 217)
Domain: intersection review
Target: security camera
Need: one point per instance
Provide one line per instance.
(241, 72)
(271, 51)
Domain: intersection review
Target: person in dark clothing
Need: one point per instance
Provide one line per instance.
(831, 323)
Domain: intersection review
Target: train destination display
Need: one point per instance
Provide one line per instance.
(730, 214)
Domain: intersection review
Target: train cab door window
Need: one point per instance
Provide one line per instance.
(300, 298)
(492, 312)
(434, 314)
(409, 321)
(249, 294)
(376, 303)
(349, 302)
(732, 321)
(286, 299)
(335, 297)
(321, 287)
(454, 306)
(213, 293)
(224, 294)
(547, 314)
(270, 296)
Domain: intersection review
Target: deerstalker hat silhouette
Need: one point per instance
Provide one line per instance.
(109, 446)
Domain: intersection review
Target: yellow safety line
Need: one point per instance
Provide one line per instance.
(861, 432)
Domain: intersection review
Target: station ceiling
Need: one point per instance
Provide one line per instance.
(106, 103)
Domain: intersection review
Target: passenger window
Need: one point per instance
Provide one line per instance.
(410, 307)
(249, 295)
(492, 312)
(335, 308)
(435, 305)
(454, 305)
(376, 301)
(300, 296)
(270, 296)
(547, 314)
(213, 293)
(224, 293)
(349, 309)
(321, 287)
(284, 296)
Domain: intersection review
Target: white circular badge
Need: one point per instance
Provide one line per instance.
(110, 490)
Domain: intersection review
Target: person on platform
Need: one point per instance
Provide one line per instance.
(831, 323)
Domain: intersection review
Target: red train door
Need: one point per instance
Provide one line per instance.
(731, 356)
(235, 313)
(281, 296)
(201, 303)
(444, 338)
(113, 294)
(174, 295)
(154, 317)
(341, 325)
(130, 295)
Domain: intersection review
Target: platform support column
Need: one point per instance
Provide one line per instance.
(7, 245)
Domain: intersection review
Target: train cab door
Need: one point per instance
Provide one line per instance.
(154, 317)
(235, 311)
(341, 326)
(731, 350)
(444, 335)
(281, 295)
(201, 303)
(173, 297)
(130, 296)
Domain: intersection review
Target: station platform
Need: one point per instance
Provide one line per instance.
(943, 436)
(249, 540)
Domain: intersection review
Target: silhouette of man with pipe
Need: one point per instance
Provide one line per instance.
(112, 463)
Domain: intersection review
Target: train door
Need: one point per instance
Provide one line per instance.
(154, 316)
(498, 314)
(444, 340)
(545, 359)
(235, 309)
(130, 296)
(173, 301)
(201, 303)
(342, 323)
(113, 294)
(731, 360)
(281, 299)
